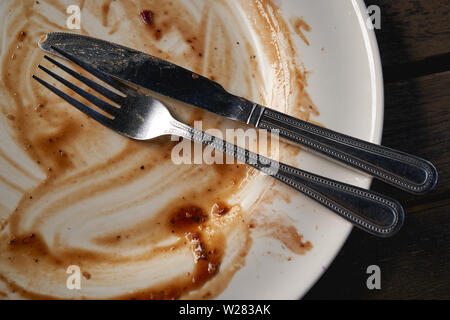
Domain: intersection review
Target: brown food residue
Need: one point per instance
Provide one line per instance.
(187, 218)
(300, 27)
(81, 177)
(290, 237)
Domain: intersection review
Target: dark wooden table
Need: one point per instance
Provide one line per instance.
(414, 42)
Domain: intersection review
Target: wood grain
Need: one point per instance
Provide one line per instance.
(417, 121)
(414, 264)
(415, 48)
(412, 30)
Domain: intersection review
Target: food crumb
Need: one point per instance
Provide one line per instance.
(11, 117)
(39, 107)
(212, 268)
(87, 275)
(158, 34)
(3, 223)
(219, 209)
(22, 35)
(147, 17)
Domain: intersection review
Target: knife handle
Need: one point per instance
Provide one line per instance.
(404, 171)
(374, 213)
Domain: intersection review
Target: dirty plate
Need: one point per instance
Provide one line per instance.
(75, 195)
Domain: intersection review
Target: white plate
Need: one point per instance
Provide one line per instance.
(346, 84)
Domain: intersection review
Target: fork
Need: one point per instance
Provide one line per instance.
(142, 117)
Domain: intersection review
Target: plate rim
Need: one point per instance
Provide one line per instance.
(377, 81)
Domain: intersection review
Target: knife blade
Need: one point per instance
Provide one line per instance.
(153, 73)
(404, 171)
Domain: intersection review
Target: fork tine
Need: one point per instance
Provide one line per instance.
(88, 96)
(77, 104)
(97, 87)
(99, 74)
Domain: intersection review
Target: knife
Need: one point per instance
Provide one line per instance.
(404, 171)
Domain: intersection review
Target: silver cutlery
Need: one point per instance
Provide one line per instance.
(143, 117)
(404, 171)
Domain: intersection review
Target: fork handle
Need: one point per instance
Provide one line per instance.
(367, 210)
(404, 171)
